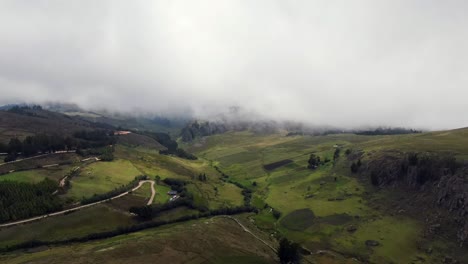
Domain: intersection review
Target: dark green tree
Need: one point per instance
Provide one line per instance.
(314, 161)
(15, 146)
(288, 252)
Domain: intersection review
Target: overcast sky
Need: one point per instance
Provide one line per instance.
(341, 63)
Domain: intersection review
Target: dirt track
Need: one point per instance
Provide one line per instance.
(153, 192)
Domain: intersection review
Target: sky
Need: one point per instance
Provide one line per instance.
(336, 63)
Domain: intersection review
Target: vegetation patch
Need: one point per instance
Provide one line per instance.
(336, 219)
(277, 164)
(298, 220)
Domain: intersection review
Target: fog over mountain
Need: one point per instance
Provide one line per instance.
(338, 63)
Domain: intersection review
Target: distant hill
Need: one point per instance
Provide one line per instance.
(21, 121)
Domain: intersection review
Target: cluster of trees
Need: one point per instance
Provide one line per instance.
(33, 145)
(387, 131)
(196, 129)
(24, 109)
(42, 143)
(115, 192)
(22, 200)
(171, 145)
(202, 177)
(277, 214)
(246, 192)
(94, 138)
(314, 161)
(128, 229)
(336, 154)
(355, 166)
(176, 185)
(289, 252)
(107, 154)
(149, 212)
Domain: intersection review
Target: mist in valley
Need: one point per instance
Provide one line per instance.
(330, 64)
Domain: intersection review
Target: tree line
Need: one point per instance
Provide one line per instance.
(246, 192)
(171, 145)
(387, 131)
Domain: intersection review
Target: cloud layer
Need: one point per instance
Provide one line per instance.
(340, 63)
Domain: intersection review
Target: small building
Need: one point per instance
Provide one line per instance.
(172, 192)
(122, 133)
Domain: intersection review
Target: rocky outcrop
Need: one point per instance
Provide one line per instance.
(440, 179)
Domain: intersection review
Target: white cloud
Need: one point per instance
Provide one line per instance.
(341, 63)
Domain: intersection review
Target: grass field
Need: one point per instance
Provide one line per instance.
(77, 224)
(161, 194)
(330, 193)
(201, 241)
(37, 175)
(102, 177)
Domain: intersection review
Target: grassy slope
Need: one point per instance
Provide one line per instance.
(213, 193)
(242, 156)
(90, 220)
(34, 176)
(201, 241)
(102, 177)
(19, 125)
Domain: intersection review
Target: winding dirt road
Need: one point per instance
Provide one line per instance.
(153, 193)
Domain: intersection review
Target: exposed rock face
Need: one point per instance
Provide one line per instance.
(440, 177)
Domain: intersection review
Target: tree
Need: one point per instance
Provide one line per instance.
(144, 212)
(314, 161)
(288, 252)
(107, 155)
(15, 146)
(276, 213)
(157, 179)
(10, 157)
(3, 148)
(336, 155)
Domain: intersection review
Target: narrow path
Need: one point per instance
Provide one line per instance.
(248, 231)
(80, 207)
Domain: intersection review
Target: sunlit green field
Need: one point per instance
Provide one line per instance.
(102, 177)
